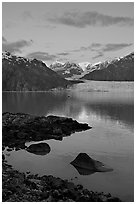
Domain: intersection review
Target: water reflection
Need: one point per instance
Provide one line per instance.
(85, 165)
(84, 172)
(106, 106)
(32, 103)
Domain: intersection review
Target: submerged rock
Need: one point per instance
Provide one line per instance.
(39, 149)
(85, 165)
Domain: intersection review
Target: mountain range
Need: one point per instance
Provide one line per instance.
(67, 70)
(120, 69)
(22, 74)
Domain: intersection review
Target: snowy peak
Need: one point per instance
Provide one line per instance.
(56, 64)
(17, 60)
(67, 70)
(69, 65)
(21, 74)
(118, 69)
(84, 65)
(105, 64)
(76, 70)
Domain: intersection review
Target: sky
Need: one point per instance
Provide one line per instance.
(68, 31)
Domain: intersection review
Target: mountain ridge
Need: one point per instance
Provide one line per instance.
(80, 70)
(22, 74)
(120, 69)
(68, 69)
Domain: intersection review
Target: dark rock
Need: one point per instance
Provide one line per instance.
(22, 135)
(28, 172)
(113, 199)
(49, 199)
(86, 165)
(69, 200)
(85, 191)
(83, 198)
(65, 192)
(79, 187)
(56, 194)
(17, 149)
(3, 157)
(108, 195)
(19, 128)
(9, 149)
(39, 149)
(30, 183)
(45, 195)
(17, 187)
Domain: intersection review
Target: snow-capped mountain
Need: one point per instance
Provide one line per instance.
(83, 69)
(56, 64)
(97, 66)
(84, 65)
(67, 70)
(22, 74)
(118, 69)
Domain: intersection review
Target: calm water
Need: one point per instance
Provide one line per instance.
(106, 106)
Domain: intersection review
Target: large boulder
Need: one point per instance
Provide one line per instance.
(85, 165)
(39, 149)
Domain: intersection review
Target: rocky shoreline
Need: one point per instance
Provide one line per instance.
(24, 187)
(19, 128)
(21, 187)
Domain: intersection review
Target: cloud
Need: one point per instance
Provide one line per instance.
(9, 25)
(95, 45)
(44, 56)
(83, 48)
(14, 47)
(100, 54)
(92, 47)
(115, 47)
(63, 53)
(98, 47)
(3, 40)
(91, 18)
(110, 48)
(26, 15)
(46, 26)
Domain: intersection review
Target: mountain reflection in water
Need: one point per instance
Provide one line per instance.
(118, 107)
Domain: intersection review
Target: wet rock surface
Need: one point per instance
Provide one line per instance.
(39, 149)
(21, 187)
(18, 128)
(85, 165)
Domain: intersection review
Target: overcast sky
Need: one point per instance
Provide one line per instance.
(78, 32)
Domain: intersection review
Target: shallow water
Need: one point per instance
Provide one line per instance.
(106, 106)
